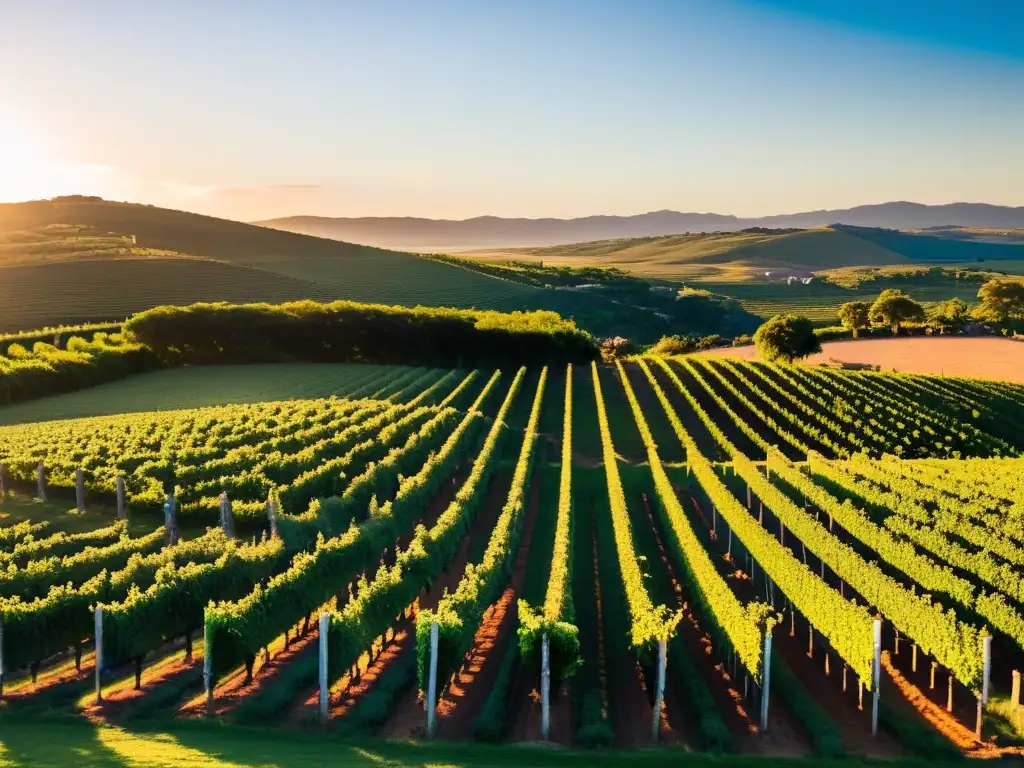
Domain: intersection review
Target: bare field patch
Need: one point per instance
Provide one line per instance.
(981, 358)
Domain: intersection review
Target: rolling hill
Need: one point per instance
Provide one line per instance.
(496, 232)
(67, 262)
(755, 267)
(70, 261)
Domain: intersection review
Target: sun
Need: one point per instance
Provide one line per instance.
(27, 169)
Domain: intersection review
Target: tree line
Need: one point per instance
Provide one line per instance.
(1001, 300)
(788, 337)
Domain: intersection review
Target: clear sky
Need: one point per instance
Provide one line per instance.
(517, 108)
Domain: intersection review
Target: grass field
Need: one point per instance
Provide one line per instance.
(720, 257)
(193, 388)
(60, 744)
(819, 300)
(643, 470)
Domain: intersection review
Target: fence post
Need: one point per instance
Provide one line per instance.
(80, 490)
(207, 666)
(99, 651)
(766, 676)
(41, 480)
(432, 682)
(876, 677)
(3, 481)
(749, 504)
(325, 623)
(171, 519)
(659, 693)
(119, 484)
(986, 666)
(226, 520)
(272, 514)
(1015, 695)
(545, 687)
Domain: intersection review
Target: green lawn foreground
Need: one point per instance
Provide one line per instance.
(53, 743)
(198, 387)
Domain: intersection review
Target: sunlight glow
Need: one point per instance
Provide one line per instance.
(28, 171)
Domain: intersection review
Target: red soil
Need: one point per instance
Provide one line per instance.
(409, 719)
(233, 689)
(980, 357)
(120, 699)
(826, 690)
(468, 693)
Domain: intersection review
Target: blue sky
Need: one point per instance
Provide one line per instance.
(529, 108)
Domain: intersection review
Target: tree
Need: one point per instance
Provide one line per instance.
(617, 347)
(674, 345)
(854, 315)
(894, 308)
(951, 313)
(786, 338)
(1001, 298)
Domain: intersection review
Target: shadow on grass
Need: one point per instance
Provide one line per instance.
(43, 743)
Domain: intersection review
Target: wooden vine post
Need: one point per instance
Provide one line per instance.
(1014, 690)
(272, 511)
(207, 665)
(766, 677)
(99, 652)
(325, 623)
(659, 692)
(431, 702)
(3, 481)
(986, 675)
(171, 519)
(41, 480)
(80, 490)
(121, 509)
(876, 677)
(227, 521)
(545, 687)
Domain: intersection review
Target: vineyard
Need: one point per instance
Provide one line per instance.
(705, 554)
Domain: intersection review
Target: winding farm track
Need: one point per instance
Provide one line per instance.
(977, 357)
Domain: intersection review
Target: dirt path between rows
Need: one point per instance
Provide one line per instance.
(408, 720)
(468, 693)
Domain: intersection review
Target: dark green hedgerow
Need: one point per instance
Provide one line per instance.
(345, 331)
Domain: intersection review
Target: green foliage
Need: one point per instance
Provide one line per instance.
(1001, 299)
(46, 370)
(742, 626)
(557, 614)
(459, 613)
(344, 331)
(894, 308)
(951, 313)
(786, 338)
(649, 623)
(854, 315)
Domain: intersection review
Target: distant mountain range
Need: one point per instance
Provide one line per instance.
(496, 232)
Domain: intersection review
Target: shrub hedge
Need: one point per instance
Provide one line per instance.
(345, 331)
